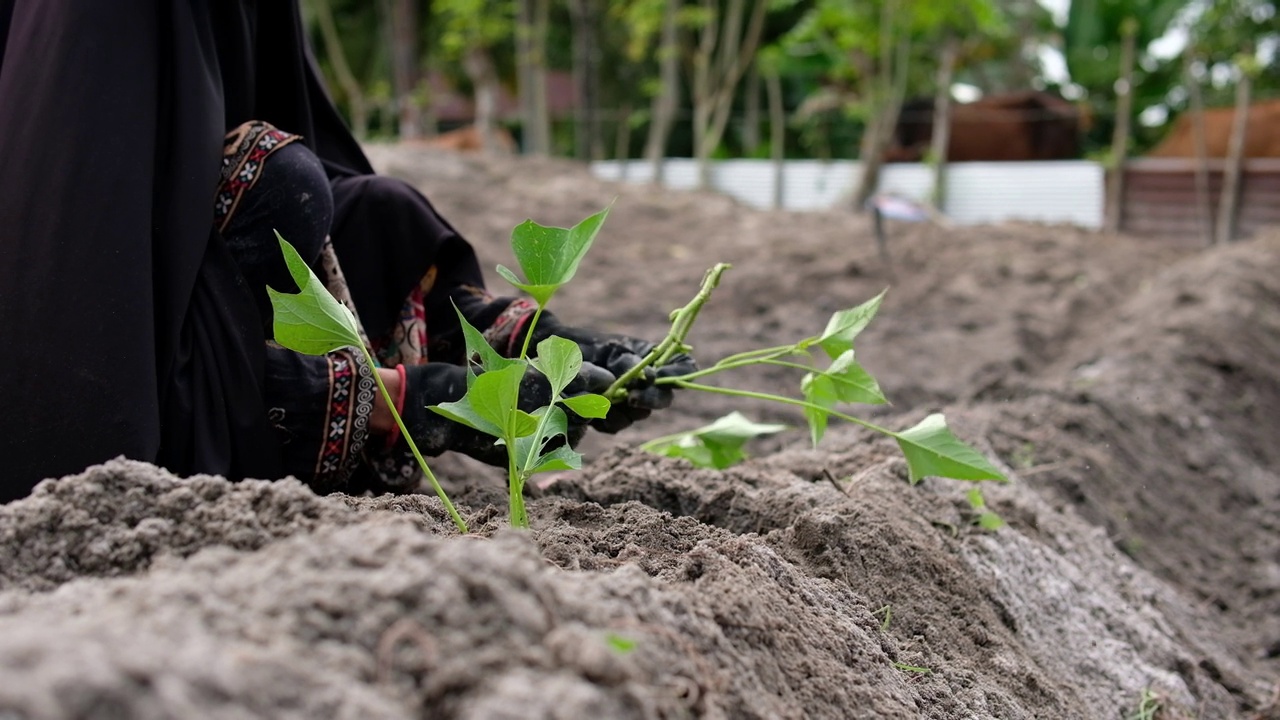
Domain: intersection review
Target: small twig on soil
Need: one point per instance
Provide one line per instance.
(400, 630)
(832, 478)
(1046, 467)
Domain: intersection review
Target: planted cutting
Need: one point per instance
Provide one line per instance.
(313, 322)
(536, 441)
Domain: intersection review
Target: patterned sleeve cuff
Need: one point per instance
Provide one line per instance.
(505, 334)
(346, 427)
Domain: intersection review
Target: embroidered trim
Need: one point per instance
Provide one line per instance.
(346, 425)
(504, 333)
(243, 152)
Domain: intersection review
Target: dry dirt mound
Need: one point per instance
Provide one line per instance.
(1132, 389)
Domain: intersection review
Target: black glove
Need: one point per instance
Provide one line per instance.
(435, 383)
(618, 354)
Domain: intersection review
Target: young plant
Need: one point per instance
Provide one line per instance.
(929, 447)
(549, 258)
(312, 322)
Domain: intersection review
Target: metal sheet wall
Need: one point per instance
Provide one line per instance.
(1051, 192)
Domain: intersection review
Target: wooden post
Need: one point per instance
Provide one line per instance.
(1235, 154)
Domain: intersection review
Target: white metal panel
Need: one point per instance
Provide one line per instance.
(1052, 192)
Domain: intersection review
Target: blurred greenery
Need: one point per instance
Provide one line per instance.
(826, 52)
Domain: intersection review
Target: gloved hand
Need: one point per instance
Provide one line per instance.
(618, 354)
(435, 383)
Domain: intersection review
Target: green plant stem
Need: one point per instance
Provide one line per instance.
(787, 401)
(722, 366)
(413, 447)
(515, 492)
(681, 323)
(528, 333)
(778, 351)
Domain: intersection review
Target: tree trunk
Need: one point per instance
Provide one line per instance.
(751, 112)
(479, 68)
(777, 134)
(941, 140)
(622, 138)
(664, 103)
(588, 138)
(1200, 140)
(1120, 137)
(722, 63)
(402, 19)
(531, 40)
(884, 118)
(342, 70)
(1235, 160)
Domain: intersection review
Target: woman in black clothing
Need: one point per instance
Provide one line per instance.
(148, 150)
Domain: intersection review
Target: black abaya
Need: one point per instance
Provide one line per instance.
(127, 328)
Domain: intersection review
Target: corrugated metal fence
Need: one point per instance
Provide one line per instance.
(1068, 191)
(1160, 197)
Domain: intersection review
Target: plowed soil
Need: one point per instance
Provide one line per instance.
(1130, 387)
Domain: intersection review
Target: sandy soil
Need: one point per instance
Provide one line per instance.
(1130, 387)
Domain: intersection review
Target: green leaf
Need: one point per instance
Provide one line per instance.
(932, 450)
(310, 321)
(529, 445)
(987, 519)
(478, 347)
(549, 256)
(818, 390)
(718, 445)
(845, 325)
(619, 644)
(852, 383)
(493, 397)
(588, 406)
(559, 359)
(562, 458)
(990, 521)
(462, 412)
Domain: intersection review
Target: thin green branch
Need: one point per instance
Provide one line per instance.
(722, 366)
(422, 463)
(681, 322)
(787, 401)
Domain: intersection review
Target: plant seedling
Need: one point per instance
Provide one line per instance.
(987, 518)
(313, 322)
(549, 258)
(929, 447)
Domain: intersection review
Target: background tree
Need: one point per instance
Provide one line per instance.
(532, 27)
(727, 40)
(471, 30)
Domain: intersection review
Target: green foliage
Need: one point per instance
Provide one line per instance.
(931, 449)
(620, 644)
(912, 668)
(490, 406)
(718, 445)
(313, 322)
(987, 518)
(1148, 706)
(549, 256)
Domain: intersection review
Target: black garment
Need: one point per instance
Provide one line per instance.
(127, 327)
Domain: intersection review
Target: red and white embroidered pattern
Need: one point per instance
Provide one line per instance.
(243, 152)
(504, 333)
(346, 427)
